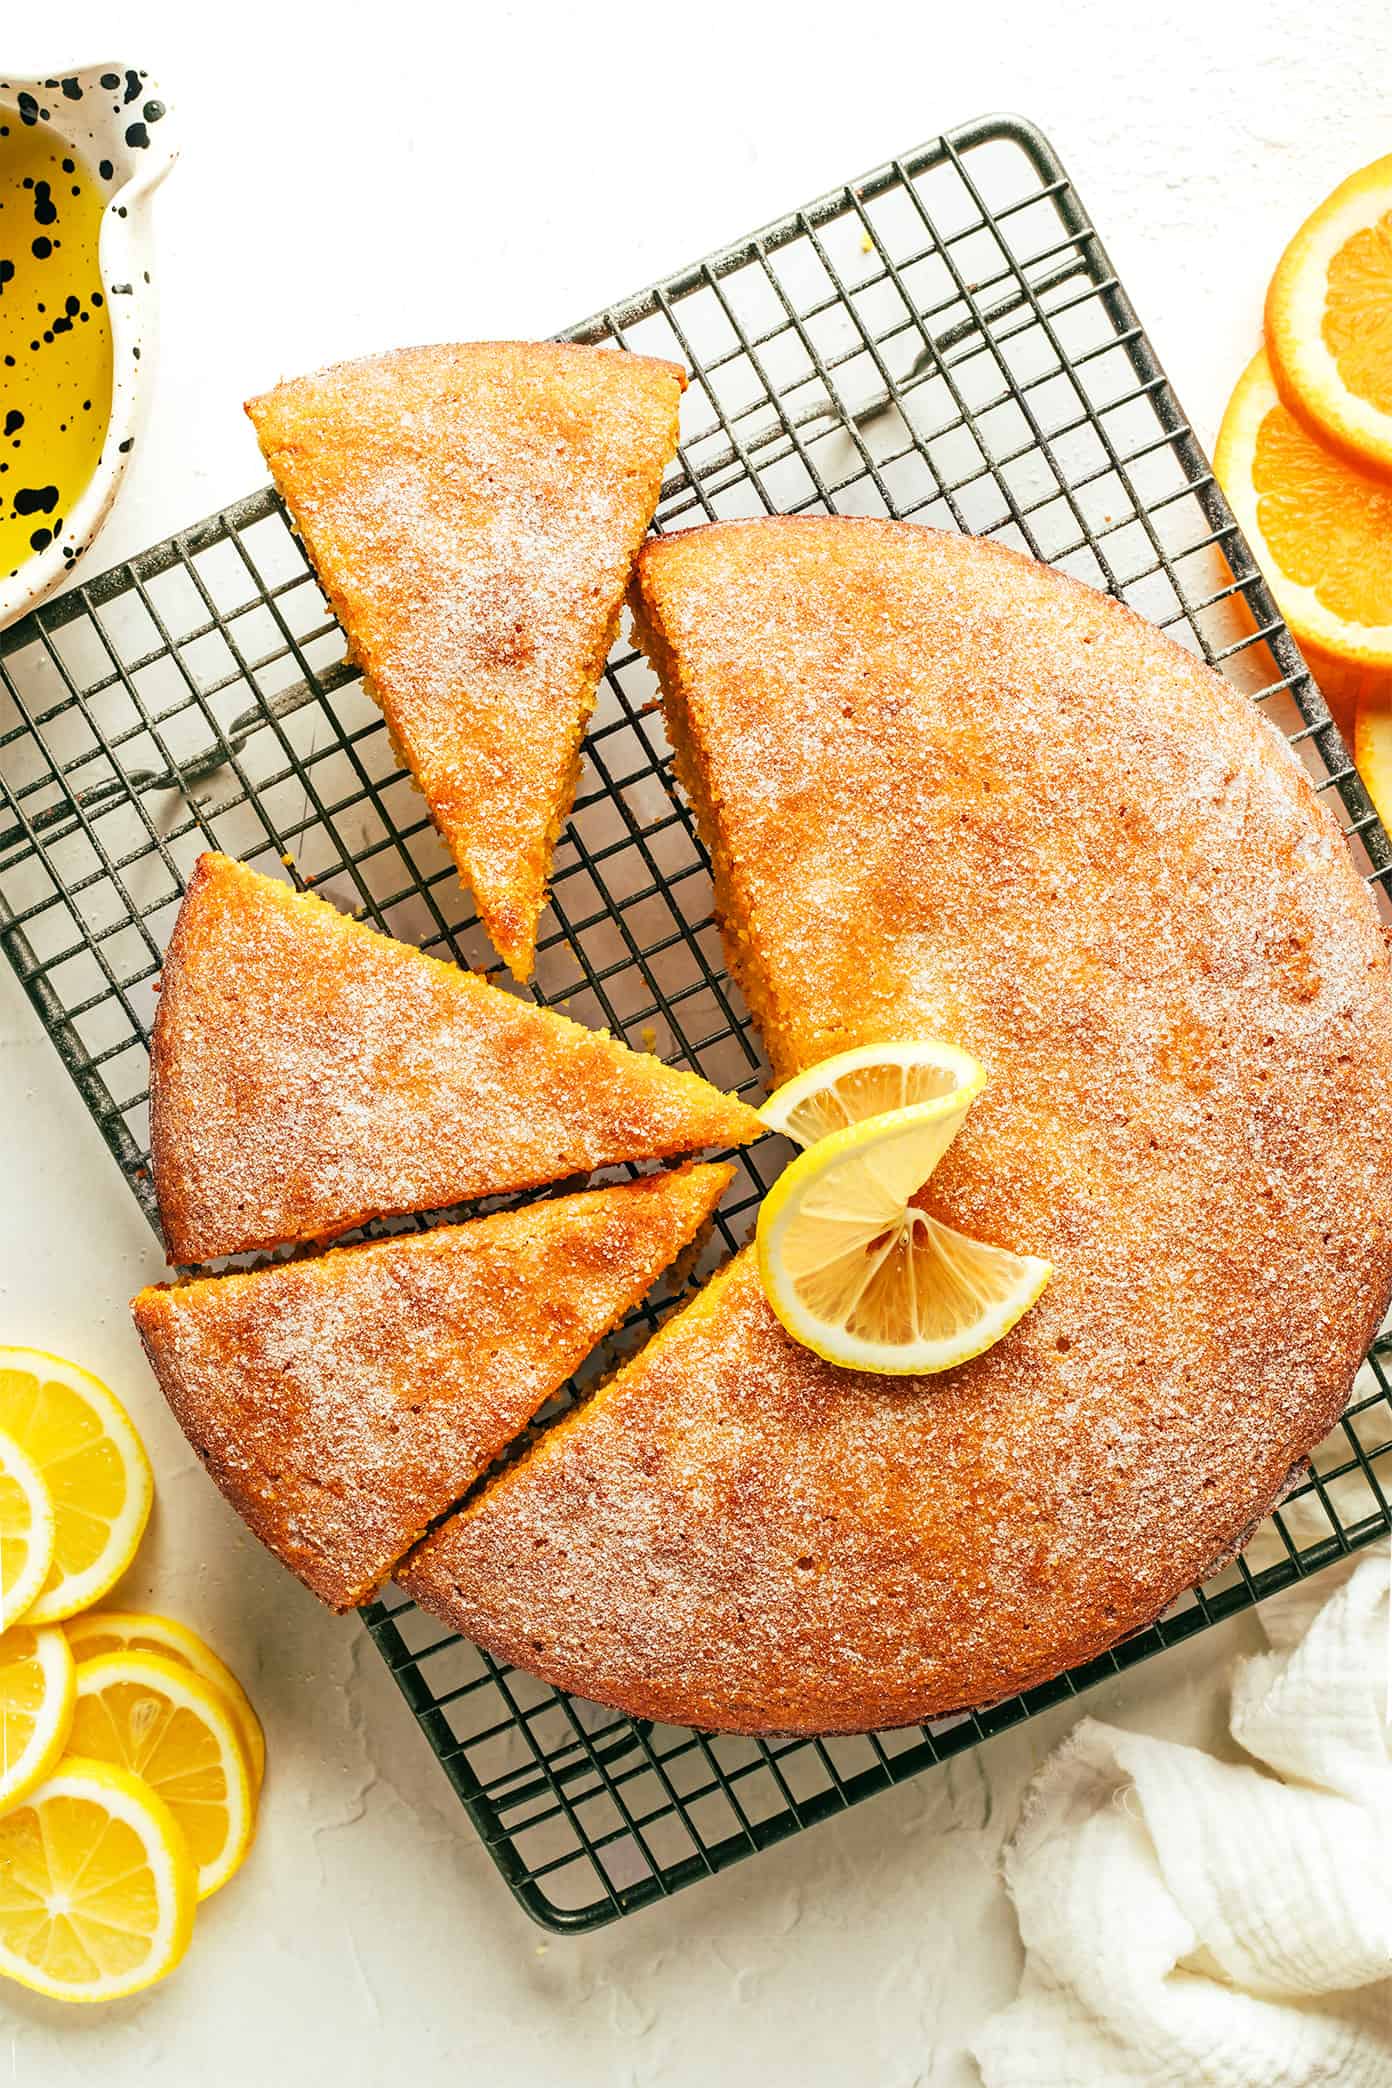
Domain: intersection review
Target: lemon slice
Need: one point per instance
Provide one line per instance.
(859, 1276)
(109, 1631)
(94, 1466)
(97, 1887)
(37, 1686)
(152, 1715)
(26, 1531)
(868, 1082)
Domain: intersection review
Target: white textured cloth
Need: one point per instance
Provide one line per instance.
(1191, 1923)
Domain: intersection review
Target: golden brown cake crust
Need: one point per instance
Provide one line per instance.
(343, 1403)
(954, 793)
(308, 1073)
(473, 512)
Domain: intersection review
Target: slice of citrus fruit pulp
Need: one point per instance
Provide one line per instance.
(37, 1688)
(860, 1276)
(867, 1082)
(1329, 319)
(97, 1887)
(1320, 528)
(140, 1631)
(27, 1531)
(94, 1466)
(155, 1717)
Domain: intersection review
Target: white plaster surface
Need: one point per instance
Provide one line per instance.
(355, 177)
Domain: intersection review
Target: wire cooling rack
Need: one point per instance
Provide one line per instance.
(943, 340)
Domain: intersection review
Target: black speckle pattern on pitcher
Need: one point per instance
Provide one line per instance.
(68, 367)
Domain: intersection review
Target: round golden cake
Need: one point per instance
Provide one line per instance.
(951, 792)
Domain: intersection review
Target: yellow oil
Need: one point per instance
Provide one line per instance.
(55, 335)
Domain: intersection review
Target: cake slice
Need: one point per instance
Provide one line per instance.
(342, 1403)
(473, 513)
(308, 1073)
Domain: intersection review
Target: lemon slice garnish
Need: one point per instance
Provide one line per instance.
(37, 1683)
(97, 1887)
(109, 1631)
(853, 1270)
(94, 1466)
(157, 1718)
(27, 1531)
(868, 1082)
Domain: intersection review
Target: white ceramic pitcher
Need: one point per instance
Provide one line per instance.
(116, 117)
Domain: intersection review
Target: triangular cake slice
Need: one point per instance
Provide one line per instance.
(308, 1073)
(344, 1402)
(473, 513)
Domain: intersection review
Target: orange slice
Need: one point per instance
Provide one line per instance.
(1346, 685)
(1372, 752)
(1329, 319)
(1320, 528)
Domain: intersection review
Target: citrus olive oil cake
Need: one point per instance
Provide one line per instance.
(950, 792)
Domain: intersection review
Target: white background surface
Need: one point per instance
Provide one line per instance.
(355, 178)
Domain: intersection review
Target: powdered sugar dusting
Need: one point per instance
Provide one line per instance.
(473, 512)
(343, 1403)
(1037, 828)
(308, 1073)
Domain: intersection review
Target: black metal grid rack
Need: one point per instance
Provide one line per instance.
(943, 340)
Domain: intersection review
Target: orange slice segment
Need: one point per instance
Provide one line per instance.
(1372, 752)
(1329, 318)
(1320, 528)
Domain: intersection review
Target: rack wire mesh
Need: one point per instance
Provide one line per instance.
(944, 340)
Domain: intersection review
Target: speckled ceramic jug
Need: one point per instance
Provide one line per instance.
(99, 134)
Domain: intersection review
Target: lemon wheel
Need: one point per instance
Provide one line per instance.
(140, 1631)
(157, 1718)
(93, 1463)
(37, 1692)
(27, 1531)
(97, 1887)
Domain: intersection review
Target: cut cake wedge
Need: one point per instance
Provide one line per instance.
(308, 1073)
(343, 1402)
(473, 512)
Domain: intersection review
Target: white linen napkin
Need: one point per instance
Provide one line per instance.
(1191, 1923)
